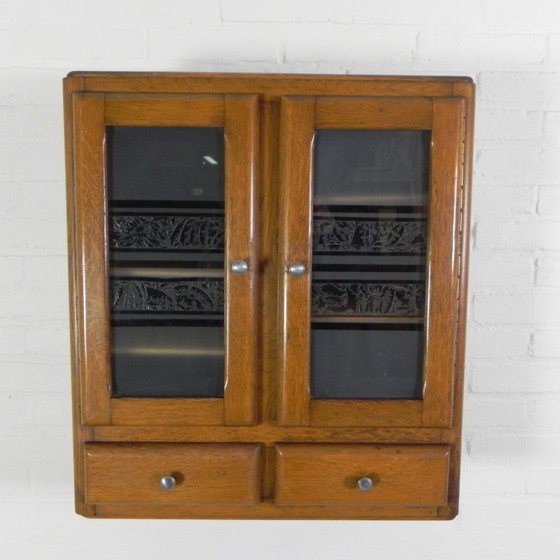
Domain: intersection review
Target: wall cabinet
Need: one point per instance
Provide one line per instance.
(268, 279)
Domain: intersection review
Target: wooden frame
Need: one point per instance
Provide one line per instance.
(263, 405)
(300, 117)
(239, 118)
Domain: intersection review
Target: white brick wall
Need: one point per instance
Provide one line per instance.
(511, 466)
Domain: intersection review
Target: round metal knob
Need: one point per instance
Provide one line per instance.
(296, 269)
(239, 267)
(168, 482)
(365, 484)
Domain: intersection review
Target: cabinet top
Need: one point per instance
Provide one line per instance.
(280, 76)
(269, 85)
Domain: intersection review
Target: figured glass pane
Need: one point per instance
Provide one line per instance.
(369, 264)
(166, 253)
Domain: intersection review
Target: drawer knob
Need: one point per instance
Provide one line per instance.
(239, 267)
(168, 482)
(365, 484)
(296, 269)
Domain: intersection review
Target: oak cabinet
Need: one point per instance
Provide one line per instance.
(268, 293)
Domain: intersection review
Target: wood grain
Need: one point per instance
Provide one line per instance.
(342, 412)
(320, 474)
(441, 316)
(373, 113)
(241, 178)
(466, 91)
(168, 110)
(205, 473)
(271, 86)
(269, 270)
(91, 261)
(265, 510)
(296, 138)
(167, 412)
(270, 433)
(70, 86)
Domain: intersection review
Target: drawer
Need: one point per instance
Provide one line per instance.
(202, 473)
(317, 474)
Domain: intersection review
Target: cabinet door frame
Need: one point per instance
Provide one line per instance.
(238, 115)
(300, 118)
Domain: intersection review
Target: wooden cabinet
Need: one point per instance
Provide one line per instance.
(268, 293)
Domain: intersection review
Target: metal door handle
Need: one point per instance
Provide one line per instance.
(296, 269)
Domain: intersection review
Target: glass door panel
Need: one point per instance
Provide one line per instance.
(160, 181)
(368, 291)
(369, 198)
(166, 260)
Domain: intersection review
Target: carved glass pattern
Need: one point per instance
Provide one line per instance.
(190, 296)
(194, 233)
(368, 283)
(352, 298)
(360, 236)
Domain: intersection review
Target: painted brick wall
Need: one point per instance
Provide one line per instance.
(511, 488)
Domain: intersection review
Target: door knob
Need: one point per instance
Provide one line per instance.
(296, 269)
(168, 482)
(365, 484)
(239, 267)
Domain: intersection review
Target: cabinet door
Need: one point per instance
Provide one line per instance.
(164, 191)
(369, 245)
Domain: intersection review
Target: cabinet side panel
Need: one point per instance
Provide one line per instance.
(91, 283)
(466, 90)
(71, 85)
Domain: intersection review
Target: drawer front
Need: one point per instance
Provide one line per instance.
(317, 474)
(202, 473)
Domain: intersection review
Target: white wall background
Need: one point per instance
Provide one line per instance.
(511, 470)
